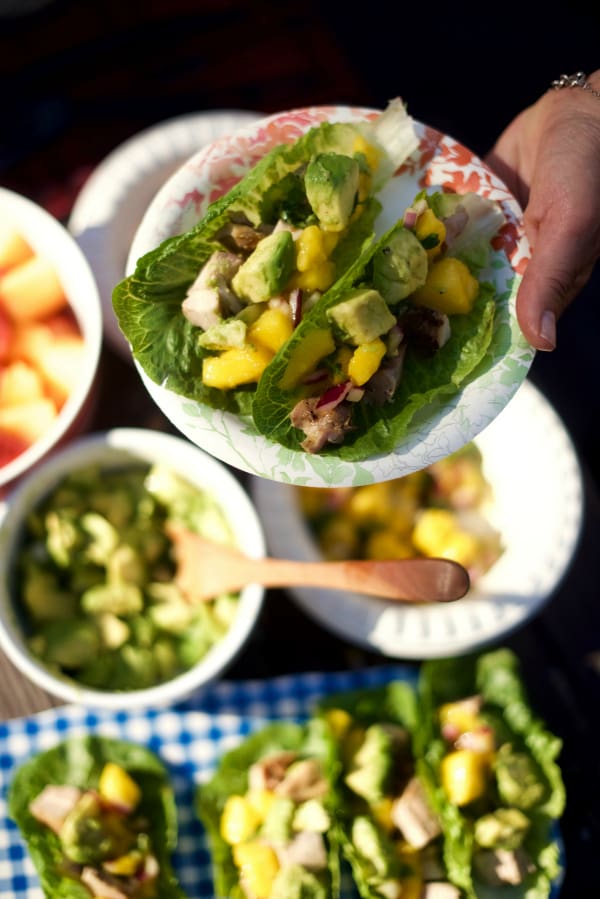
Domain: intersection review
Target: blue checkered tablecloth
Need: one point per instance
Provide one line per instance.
(189, 738)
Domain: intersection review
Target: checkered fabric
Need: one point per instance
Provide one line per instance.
(189, 738)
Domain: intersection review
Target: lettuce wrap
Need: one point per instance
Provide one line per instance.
(192, 310)
(388, 830)
(268, 815)
(408, 323)
(97, 813)
(495, 782)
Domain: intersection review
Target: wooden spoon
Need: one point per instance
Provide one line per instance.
(205, 569)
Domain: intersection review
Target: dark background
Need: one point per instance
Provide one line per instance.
(78, 78)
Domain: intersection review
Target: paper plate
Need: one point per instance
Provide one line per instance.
(532, 468)
(111, 203)
(438, 163)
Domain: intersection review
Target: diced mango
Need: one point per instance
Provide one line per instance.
(60, 363)
(463, 776)
(385, 544)
(258, 866)
(29, 421)
(318, 277)
(370, 504)
(462, 714)
(271, 329)
(365, 361)
(117, 786)
(313, 247)
(239, 365)
(431, 231)
(20, 383)
(341, 363)
(450, 287)
(305, 356)
(14, 249)
(369, 151)
(462, 548)
(433, 529)
(124, 865)
(339, 720)
(261, 801)
(32, 290)
(239, 820)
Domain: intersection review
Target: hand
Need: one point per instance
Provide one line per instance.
(549, 157)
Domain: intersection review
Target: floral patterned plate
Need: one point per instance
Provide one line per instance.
(439, 163)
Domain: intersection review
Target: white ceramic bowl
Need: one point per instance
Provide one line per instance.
(537, 506)
(47, 236)
(113, 449)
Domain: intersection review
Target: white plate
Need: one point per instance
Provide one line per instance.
(534, 472)
(439, 162)
(111, 203)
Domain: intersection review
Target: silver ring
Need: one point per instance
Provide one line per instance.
(579, 79)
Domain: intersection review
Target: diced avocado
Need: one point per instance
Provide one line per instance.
(71, 642)
(400, 267)
(373, 846)
(311, 815)
(113, 630)
(372, 764)
(86, 834)
(43, 597)
(174, 616)
(126, 566)
(120, 599)
(277, 826)
(295, 882)
(267, 270)
(362, 316)
(518, 782)
(224, 334)
(64, 537)
(103, 538)
(503, 829)
(331, 183)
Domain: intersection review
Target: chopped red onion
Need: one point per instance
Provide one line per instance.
(314, 377)
(410, 218)
(334, 396)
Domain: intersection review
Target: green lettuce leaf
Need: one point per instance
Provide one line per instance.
(496, 677)
(378, 429)
(147, 303)
(231, 777)
(79, 761)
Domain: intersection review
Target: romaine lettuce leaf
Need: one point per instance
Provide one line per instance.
(231, 778)
(496, 677)
(378, 429)
(78, 761)
(147, 303)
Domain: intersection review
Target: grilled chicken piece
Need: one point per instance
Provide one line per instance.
(242, 237)
(427, 330)
(303, 780)
(321, 426)
(53, 804)
(439, 890)
(412, 814)
(103, 885)
(382, 386)
(268, 772)
(498, 867)
(306, 849)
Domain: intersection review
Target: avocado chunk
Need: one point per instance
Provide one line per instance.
(267, 270)
(331, 184)
(89, 835)
(296, 882)
(517, 779)
(277, 826)
(362, 316)
(224, 335)
(374, 846)
(400, 267)
(503, 829)
(372, 764)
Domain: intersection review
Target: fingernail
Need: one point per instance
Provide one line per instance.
(548, 328)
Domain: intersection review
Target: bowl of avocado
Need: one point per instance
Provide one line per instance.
(90, 607)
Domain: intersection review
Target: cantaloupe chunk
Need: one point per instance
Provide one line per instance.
(11, 446)
(14, 249)
(32, 290)
(60, 362)
(31, 337)
(6, 335)
(29, 421)
(20, 383)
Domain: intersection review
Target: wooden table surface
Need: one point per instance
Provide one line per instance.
(85, 77)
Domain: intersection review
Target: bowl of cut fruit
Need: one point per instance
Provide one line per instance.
(50, 336)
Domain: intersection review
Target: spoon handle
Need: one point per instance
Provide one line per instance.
(408, 580)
